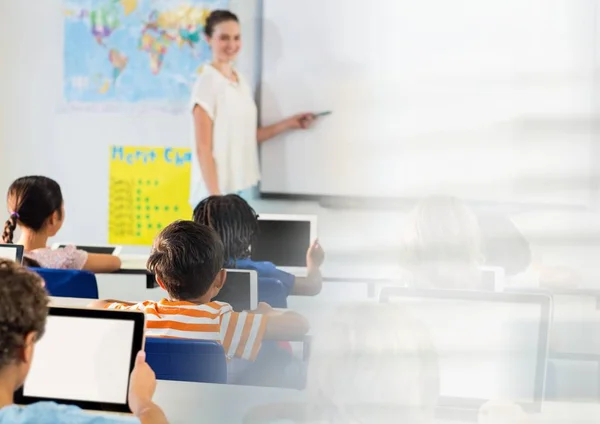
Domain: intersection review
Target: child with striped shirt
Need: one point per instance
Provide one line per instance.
(187, 260)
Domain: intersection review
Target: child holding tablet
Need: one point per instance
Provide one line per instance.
(23, 311)
(237, 223)
(36, 207)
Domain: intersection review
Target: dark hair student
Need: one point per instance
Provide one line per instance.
(186, 257)
(36, 206)
(233, 219)
(237, 224)
(218, 17)
(31, 201)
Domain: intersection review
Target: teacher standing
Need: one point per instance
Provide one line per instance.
(224, 148)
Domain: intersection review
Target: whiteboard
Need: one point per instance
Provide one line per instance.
(456, 97)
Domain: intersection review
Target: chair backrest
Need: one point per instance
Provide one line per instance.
(69, 282)
(200, 361)
(273, 292)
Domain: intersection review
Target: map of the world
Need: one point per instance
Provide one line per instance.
(134, 52)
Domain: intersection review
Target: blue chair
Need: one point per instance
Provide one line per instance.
(199, 361)
(69, 282)
(273, 292)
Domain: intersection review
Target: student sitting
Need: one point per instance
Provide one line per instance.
(370, 363)
(37, 208)
(187, 260)
(23, 311)
(237, 223)
(442, 246)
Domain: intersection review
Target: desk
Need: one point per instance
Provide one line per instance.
(212, 403)
(136, 265)
(333, 272)
(70, 302)
(567, 292)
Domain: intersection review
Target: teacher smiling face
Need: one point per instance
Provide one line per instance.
(224, 148)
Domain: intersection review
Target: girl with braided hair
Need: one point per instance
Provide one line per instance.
(35, 205)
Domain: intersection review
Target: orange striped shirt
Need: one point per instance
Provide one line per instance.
(240, 333)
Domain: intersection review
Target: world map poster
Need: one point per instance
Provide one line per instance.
(134, 52)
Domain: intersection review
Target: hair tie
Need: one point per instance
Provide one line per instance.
(14, 215)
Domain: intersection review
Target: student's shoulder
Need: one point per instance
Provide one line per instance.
(53, 413)
(68, 257)
(216, 307)
(258, 266)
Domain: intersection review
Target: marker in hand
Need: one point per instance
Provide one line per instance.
(321, 114)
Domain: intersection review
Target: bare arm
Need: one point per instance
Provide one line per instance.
(102, 304)
(203, 131)
(152, 414)
(99, 262)
(310, 285)
(300, 121)
(271, 131)
(285, 326)
(313, 283)
(142, 386)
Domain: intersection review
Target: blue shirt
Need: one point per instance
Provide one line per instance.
(53, 413)
(268, 270)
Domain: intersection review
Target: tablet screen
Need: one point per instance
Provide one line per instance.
(82, 359)
(9, 252)
(486, 349)
(237, 291)
(283, 243)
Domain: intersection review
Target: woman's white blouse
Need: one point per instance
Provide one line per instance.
(235, 121)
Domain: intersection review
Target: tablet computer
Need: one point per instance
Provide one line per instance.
(13, 252)
(489, 345)
(85, 358)
(284, 240)
(240, 290)
(106, 250)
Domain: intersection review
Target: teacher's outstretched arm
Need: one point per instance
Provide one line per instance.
(203, 132)
(300, 121)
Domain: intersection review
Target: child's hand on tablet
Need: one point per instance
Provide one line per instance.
(142, 385)
(315, 256)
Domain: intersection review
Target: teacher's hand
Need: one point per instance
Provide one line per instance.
(300, 121)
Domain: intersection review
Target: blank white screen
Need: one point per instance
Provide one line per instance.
(85, 359)
(8, 253)
(483, 100)
(486, 350)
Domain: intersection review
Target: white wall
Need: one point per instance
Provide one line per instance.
(37, 138)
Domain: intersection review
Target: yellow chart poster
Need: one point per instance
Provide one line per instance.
(149, 189)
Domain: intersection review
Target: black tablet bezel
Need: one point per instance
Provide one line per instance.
(545, 301)
(19, 248)
(110, 250)
(137, 344)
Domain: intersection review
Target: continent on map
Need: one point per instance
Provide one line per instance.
(126, 52)
(156, 45)
(103, 21)
(119, 61)
(129, 6)
(182, 25)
